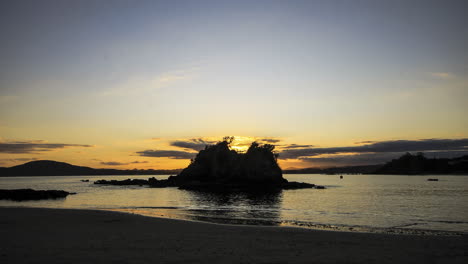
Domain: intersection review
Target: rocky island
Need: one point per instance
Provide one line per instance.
(221, 168)
(30, 194)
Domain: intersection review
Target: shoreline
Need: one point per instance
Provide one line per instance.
(267, 223)
(98, 236)
(295, 224)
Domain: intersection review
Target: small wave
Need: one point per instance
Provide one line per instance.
(406, 225)
(152, 207)
(447, 221)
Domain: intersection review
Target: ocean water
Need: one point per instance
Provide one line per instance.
(375, 203)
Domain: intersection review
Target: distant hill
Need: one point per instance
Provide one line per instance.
(405, 165)
(418, 164)
(55, 168)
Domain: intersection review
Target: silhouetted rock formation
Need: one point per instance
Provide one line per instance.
(218, 167)
(123, 182)
(55, 168)
(30, 194)
(418, 164)
(152, 182)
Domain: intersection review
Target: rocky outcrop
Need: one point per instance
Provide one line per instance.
(30, 194)
(123, 182)
(152, 182)
(220, 168)
(220, 164)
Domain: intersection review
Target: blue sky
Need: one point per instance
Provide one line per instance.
(114, 74)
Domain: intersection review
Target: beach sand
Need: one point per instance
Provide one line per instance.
(36, 235)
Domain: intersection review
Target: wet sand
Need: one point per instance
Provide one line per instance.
(33, 235)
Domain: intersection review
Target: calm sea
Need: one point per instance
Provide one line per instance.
(387, 203)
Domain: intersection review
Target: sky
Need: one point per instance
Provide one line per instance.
(146, 84)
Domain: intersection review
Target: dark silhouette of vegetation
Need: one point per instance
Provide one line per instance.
(419, 164)
(219, 163)
(218, 167)
(406, 164)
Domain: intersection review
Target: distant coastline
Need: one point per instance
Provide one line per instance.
(55, 168)
(407, 164)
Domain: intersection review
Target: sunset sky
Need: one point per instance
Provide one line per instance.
(146, 84)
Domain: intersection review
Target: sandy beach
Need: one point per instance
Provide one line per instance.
(30, 235)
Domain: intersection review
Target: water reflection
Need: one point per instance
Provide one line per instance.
(236, 207)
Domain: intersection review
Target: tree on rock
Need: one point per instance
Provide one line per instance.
(220, 164)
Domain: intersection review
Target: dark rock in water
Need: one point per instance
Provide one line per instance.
(123, 182)
(432, 179)
(170, 182)
(319, 187)
(297, 185)
(152, 182)
(30, 194)
(85, 180)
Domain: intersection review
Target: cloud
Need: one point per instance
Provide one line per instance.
(295, 146)
(442, 75)
(113, 163)
(34, 146)
(268, 140)
(382, 147)
(364, 142)
(196, 144)
(116, 163)
(3, 161)
(172, 154)
(143, 84)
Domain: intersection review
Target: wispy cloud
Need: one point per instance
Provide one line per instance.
(4, 161)
(442, 75)
(144, 84)
(172, 154)
(196, 144)
(239, 143)
(116, 163)
(295, 146)
(268, 140)
(381, 147)
(34, 146)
